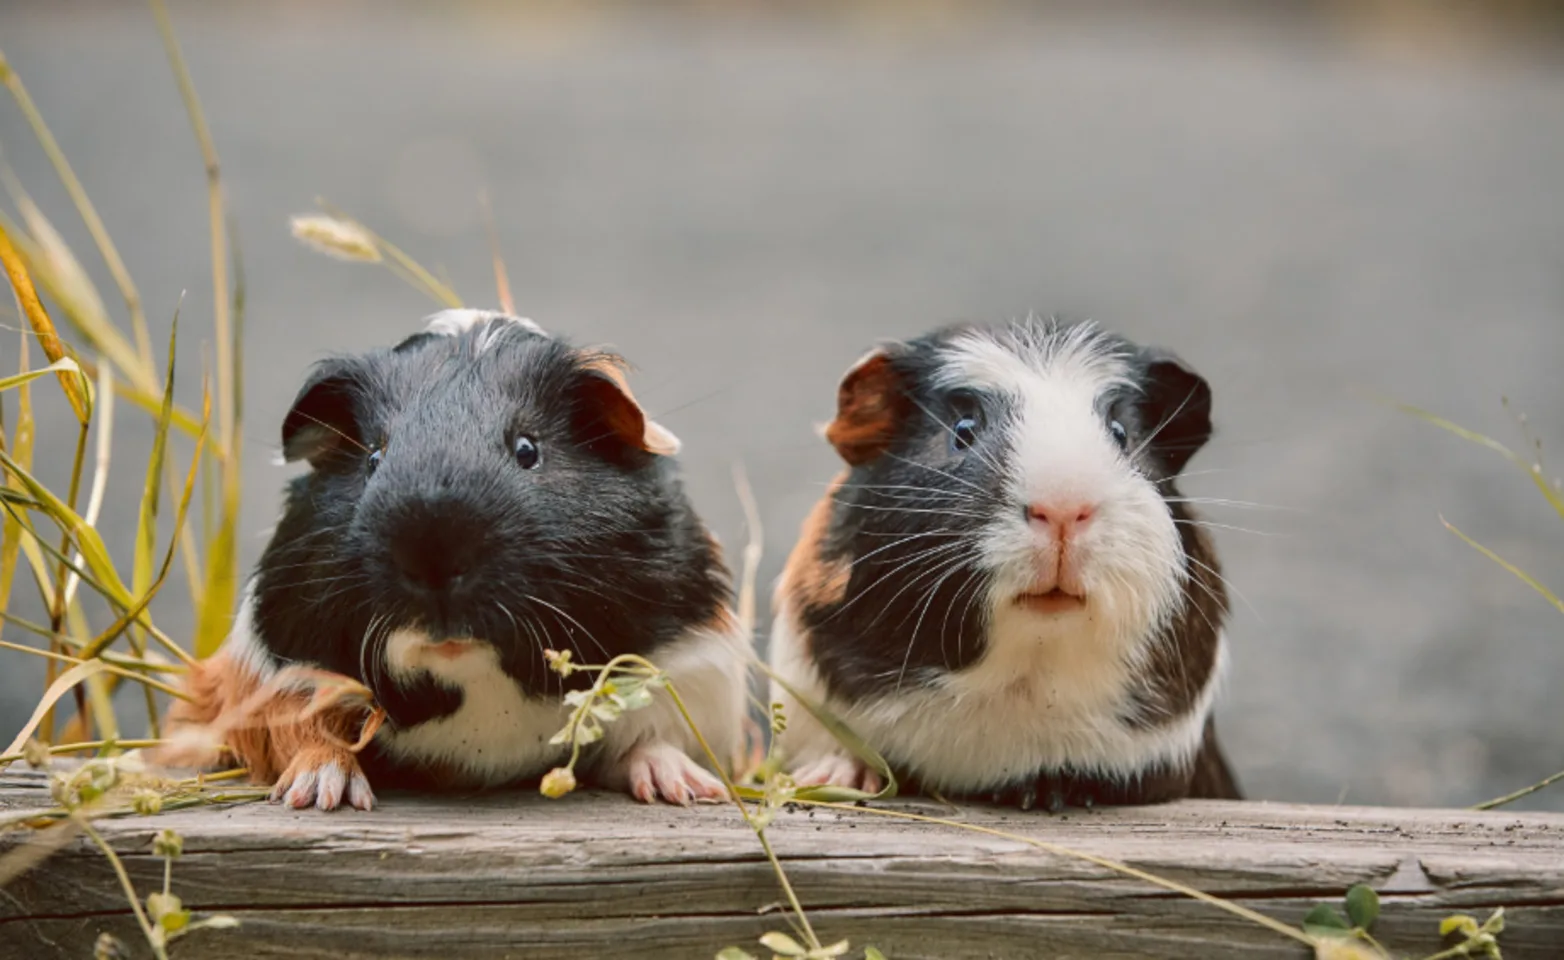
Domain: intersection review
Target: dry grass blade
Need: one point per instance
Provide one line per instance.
(89, 214)
(20, 446)
(55, 267)
(135, 611)
(65, 364)
(100, 469)
(1238, 910)
(1522, 575)
(1510, 798)
(1532, 470)
(146, 528)
(28, 304)
(501, 278)
(87, 540)
(400, 263)
(61, 686)
(220, 591)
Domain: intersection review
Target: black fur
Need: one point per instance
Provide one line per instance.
(596, 550)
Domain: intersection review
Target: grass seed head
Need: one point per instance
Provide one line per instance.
(342, 239)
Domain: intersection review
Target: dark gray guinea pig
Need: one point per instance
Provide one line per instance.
(1004, 593)
(477, 494)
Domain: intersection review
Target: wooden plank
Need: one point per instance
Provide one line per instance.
(597, 875)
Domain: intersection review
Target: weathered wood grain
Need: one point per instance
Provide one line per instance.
(596, 875)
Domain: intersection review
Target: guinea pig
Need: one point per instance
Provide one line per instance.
(1004, 593)
(477, 494)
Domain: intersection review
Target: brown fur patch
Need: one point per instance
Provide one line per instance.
(232, 719)
(870, 402)
(623, 413)
(808, 580)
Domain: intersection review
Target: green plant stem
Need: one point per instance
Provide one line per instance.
(69, 748)
(125, 884)
(1542, 784)
(89, 214)
(733, 794)
(1253, 916)
(62, 572)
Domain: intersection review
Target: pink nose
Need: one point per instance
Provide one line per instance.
(1064, 518)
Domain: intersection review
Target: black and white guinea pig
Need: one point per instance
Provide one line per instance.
(479, 493)
(1004, 593)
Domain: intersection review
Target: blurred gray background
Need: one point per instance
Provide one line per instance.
(1317, 206)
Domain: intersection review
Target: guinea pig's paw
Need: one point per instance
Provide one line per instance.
(661, 770)
(838, 770)
(323, 777)
(1048, 791)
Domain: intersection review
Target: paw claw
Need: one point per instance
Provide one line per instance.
(663, 771)
(324, 779)
(838, 770)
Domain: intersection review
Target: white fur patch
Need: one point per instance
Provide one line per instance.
(242, 643)
(454, 323)
(710, 669)
(1024, 707)
(499, 733)
(1127, 559)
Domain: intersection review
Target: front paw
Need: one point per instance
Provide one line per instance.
(660, 770)
(1050, 791)
(323, 777)
(838, 770)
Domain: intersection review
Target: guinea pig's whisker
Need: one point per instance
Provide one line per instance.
(335, 430)
(1224, 526)
(944, 511)
(928, 603)
(974, 578)
(1225, 582)
(957, 558)
(975, 449)
(906, 539)
(558, 612)
(1170, 418)
(1221, 502)
(932, 469)
(916, 558)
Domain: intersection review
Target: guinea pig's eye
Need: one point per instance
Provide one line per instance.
(375, 456)
(527, 453)
(965, 433)
(1121, 436)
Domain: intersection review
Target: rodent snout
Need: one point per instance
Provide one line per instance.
(435, 545)
(1062, 519)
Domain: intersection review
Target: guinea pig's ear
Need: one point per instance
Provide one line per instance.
(870, 403)
(607, 400)
(1178, 406)
(321, 422)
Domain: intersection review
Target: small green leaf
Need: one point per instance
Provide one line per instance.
(831, 952)
(734, 953)
(783, 944)
(1460, 922)
(1362, 906)
(870, 953)
(1495, 923)
(1323, 920)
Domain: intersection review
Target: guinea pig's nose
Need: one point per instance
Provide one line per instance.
(1063, 518)
(437, 546)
